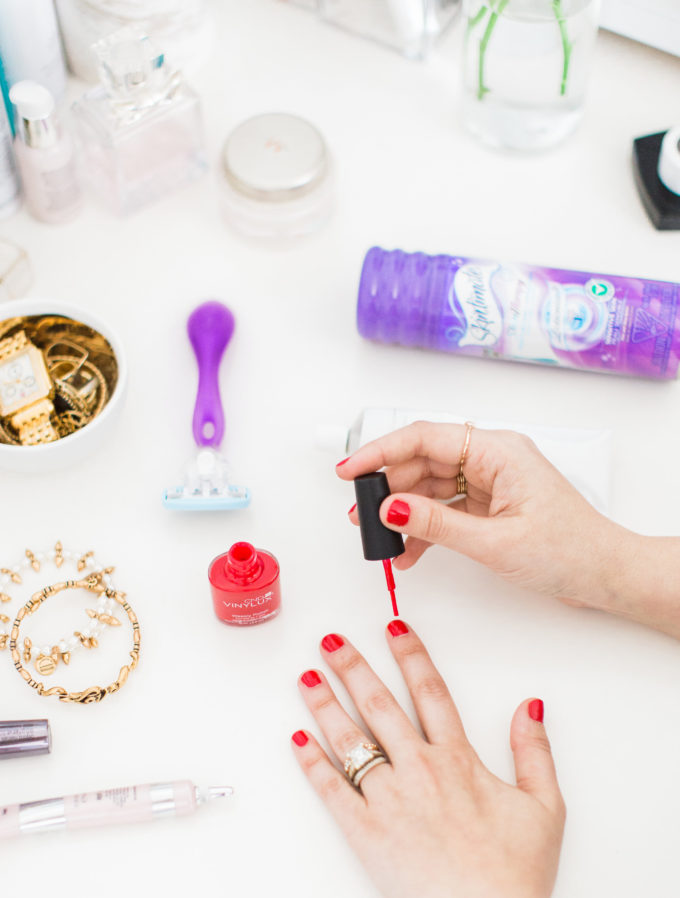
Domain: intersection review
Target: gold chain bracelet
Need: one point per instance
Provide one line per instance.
(93, 583)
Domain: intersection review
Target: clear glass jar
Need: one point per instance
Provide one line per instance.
(526, 65)
(409, 26)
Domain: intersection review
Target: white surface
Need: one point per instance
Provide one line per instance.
(217, 704)
(654, 22)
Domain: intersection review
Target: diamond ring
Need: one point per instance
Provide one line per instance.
(362, 758)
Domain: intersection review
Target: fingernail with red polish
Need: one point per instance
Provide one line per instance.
(332, 642)
(535, 709)
(310, 678)
(344, 461)
(300, 738)
(352, 508)
(397, 628)
(398, 513)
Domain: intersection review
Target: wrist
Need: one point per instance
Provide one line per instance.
(641, 583)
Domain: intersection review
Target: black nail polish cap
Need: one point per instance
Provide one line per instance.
(661, 204)
(377, 540)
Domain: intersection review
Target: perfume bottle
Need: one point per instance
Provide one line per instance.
(141, 129)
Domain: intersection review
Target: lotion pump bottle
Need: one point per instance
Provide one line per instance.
(45, 155)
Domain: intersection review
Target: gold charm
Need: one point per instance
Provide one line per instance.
(3, 641)
(4, 619)
(4, 597)
(28, 645)
(14, 577)
(46, 665)
(82, 562)
(35, 564)
(58, 554)
(88, 642)
(66, 658)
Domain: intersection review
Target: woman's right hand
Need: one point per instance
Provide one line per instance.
(521, 517)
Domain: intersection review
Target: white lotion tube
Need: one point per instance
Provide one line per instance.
(30, 44)
(130, 804)
(583, 456)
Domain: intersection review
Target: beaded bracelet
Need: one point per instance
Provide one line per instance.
(49, 655)
(94, 584)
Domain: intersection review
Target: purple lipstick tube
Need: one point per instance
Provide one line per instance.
(523, 313)
(21, 738)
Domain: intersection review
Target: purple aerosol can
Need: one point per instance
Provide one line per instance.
(548, 316)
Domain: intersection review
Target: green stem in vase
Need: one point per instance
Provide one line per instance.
(567, 45)
(483, 44)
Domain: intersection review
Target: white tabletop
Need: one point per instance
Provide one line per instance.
(218, 704)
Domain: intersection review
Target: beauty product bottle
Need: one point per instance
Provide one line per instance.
(656, 165)
(10, 189)
(583, 456)
(141, 130)
(24, 738)
(45, 155)
(523, 313)
(245, 585)
(182, 27)
(30, 44)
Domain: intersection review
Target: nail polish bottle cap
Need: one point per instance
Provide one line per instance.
(378, 541)
(669, 161)
(20, 738)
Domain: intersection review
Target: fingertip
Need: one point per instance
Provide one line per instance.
(395, 511)
(397, 627)
(536, 709)
(299, 738)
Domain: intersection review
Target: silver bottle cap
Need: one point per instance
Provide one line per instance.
(21, 738)
(275, 157)
(36, 122)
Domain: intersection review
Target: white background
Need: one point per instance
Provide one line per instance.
(217, 704)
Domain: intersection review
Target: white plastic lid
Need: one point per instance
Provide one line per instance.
(669, 160)
(33, 101)
(275, 157)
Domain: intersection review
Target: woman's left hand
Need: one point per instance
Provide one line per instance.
(434, 822)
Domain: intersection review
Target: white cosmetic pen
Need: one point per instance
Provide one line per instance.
(129, 804)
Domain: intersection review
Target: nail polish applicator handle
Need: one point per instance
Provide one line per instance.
(379, 542)
(210, 328)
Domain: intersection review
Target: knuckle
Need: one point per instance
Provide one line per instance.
(435, 526)
(431, 687)
(329, 786)
(379, 702)
(348, 740)
(324, 703)
(351, 663)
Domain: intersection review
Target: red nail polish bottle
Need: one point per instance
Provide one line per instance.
(245, 585)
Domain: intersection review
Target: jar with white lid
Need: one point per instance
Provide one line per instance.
(276, 178)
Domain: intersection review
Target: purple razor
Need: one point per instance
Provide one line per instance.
(207, 483)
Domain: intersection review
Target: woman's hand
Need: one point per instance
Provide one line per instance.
(434, 822)
(521, 517)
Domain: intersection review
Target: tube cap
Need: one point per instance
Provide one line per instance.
(378, 541)
(20, 738)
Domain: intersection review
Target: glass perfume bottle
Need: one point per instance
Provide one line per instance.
(141, 129)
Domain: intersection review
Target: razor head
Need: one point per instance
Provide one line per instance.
(207, 486)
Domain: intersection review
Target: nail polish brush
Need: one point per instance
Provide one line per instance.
(379, 542)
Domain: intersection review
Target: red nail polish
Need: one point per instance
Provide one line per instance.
(344, 461)
(310, 678)
(535, 709)
(352, 508)
(245, 585)
(300, 738)
(332, 642)
(397, 628)
(398, 513)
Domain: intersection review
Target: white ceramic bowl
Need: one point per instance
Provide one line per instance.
(74, 448)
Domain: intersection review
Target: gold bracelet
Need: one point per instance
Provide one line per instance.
(93, 583)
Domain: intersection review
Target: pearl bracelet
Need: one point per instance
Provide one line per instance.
(48, 656)
(93, 583)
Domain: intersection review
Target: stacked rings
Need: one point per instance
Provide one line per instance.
(362, 758)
